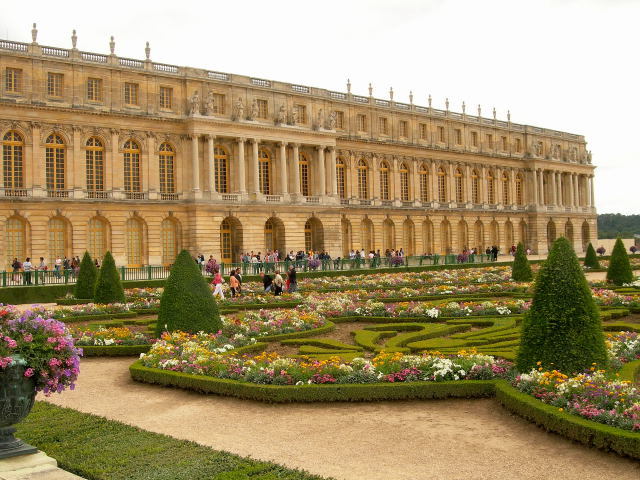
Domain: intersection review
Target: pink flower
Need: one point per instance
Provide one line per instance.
(28, 337)
(29, 372)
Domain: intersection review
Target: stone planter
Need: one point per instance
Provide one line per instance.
(17, 394)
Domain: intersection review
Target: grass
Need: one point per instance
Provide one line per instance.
(96, 448)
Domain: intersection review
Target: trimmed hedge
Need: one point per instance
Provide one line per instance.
(114, 350)
(521, 270)
(619, 271)
(591, 259)
(108, 286)
(630, 371)
(87, 278)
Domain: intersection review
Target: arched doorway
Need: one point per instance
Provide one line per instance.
(347, 240)
(551, 234)
(230, 240)
(586, 234)
(494, 233)
(274, 235)
(427, 237)
(463, 236)
(59, 238)
(313, 235)
(524, 236)
(409, 237)
(136, 244)
(170, 230)
(98, 237)
(16, 239)
(366, 230)
(445, 237)
(479, 236)
(568, 231)
(508, 235)
(388, 234)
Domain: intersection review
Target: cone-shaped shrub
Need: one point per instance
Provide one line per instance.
(619, 270)
(521, 270)
(86, 283)
(187, 303)
(562, 329)
(591, 259)
(108, 288)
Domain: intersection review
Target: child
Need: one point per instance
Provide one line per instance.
(217, 281)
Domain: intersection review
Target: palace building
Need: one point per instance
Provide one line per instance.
(101, 152)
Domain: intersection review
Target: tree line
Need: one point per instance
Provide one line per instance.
(611, 225)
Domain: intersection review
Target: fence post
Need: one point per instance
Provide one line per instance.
(122, 270)
(66, 275)
(4, 278)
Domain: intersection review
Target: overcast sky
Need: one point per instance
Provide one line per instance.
(562, 64)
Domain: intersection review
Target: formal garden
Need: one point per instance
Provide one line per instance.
(545, 343)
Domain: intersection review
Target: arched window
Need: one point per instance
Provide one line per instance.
(13, 160)
(424, 183)
(264, 171)
(442, 185)
(225, 241)
(491, 188)
(404, 183)
(54, 163)
(388, 235)
(268, 235)
(366, 237)
(341, 178)
(308, 236)
(384, 180)
(363, 184)
(57, 238)
(519, 190)
(132, 181)
(475, 187)
(94, 157)
(16, 240)
(167, 162)
(97, 237)
(170, 241)
(313, 235)
(459, 186)
(303, 165)
(506, 193)
(134, 243)
(221, 161)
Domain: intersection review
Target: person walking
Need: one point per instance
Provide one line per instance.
(42, 267)
(16, 265)
(267, 282)
(234, 284)
(239, 277)
(217, 283)
(27, 266)
(293, 279)
(278, 283)
(57, 267)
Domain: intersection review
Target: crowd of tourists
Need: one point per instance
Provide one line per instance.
(26, 272)
(278, 283)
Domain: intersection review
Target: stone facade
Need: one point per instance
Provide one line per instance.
(103, 152)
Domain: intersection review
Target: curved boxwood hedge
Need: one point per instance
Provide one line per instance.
(113, 350)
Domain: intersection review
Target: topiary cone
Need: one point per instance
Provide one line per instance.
(591, 259)
(521, 270)
(619, 271)
(187, 303)
(562, 329)
(108, 287)
(87, 277)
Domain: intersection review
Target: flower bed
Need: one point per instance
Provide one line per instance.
(612, 299)
(435, 310)
(104, 337)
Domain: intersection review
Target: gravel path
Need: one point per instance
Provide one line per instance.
(415, 440)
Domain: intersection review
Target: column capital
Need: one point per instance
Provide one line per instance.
(331, 148)
(294, 145)
(241, 139)
(210, 136)
(255, 141)
(320, 148)
(282, 143)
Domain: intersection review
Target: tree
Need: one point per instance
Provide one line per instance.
(108, 288)
(187, 303)
(86, 283)
(619, 270)
(562, 329)
(591, 259)
(521, 270)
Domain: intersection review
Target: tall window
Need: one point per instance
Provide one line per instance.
(404, 183)
(97, 237)
(264, 172)
(134, 243)
(308, 236)
(363, 181)
(424, 183)
(263, 108)
(441, 134)
(384, 181)
(403, 128)
(506, 197)
(459, 186)
(491, 188)
(170, 239)
(339, 120)
(475, 187)
(166, 98)
(361, 122)
(13, 80)
(16, 237)
(383, 125)
(423, 131)
(303, 165)
(341, 178)
(225, 241)
(54, 84)
(458, 133)
(505, 145)
(519, 191)
(221, 160)
(218, 103)
(518, 145)
(167, 164)
(474, 139)
(442, 185)
(301, 110)
(54, 162)
(489, 140)
(13, 160)
(132, 182)
(131, 93)
(94, 157)
(57, 238)
(94, 89)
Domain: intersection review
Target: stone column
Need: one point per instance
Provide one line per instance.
(535, 187)
(295, 169)
(452, 183)
(212, 163)
(375, 176)
(255, 170)
(592, 197)
(468, 184)
(322, 181)
(576, 189)
(284, 185)
(499, 187)
(554, 190)
(194, 163)
(542, 193)
(484, 194)
(153, 185)
(113, 168)
(435, 196)
(572, 198)
(242, 178)
(333, 185)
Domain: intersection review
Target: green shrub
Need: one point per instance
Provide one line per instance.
(86, 283)
(521, 270)
(591, 259)
(619, 271)
(187, 303)
(562, 330)
(108, 287)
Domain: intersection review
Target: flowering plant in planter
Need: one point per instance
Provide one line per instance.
(46, 347)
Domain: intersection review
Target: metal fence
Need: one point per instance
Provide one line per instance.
(158, 272)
